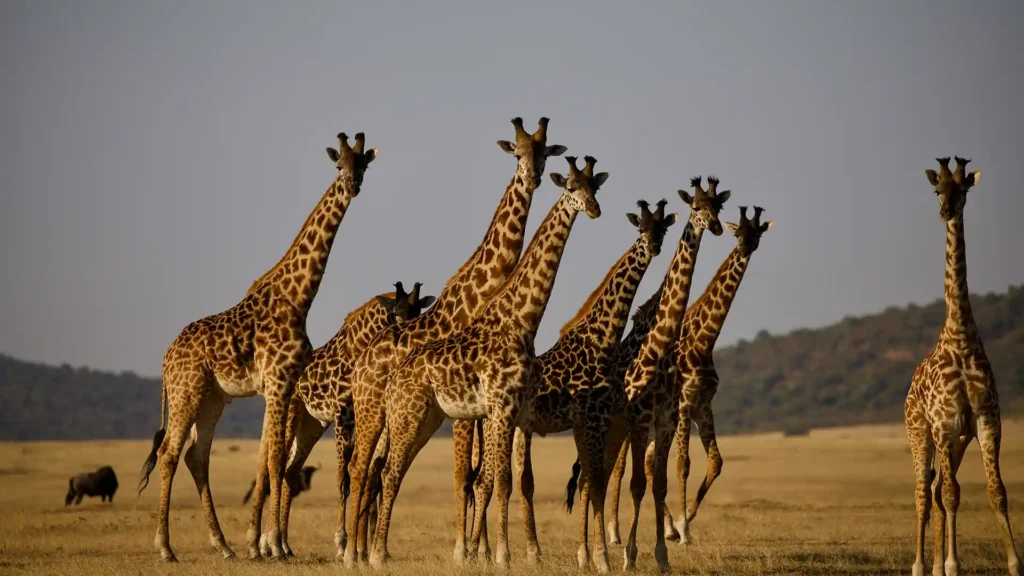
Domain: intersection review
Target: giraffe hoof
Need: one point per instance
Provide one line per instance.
(169, 557)
(1014, 566)
(917, 569)
(583, 557)
(613, 533)
(952, 568)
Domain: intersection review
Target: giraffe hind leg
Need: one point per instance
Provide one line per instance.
(305, 431)
(922, 450)
(705, 420)
(989, 430)
(197, 459)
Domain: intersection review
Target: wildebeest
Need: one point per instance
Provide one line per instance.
(102, 483)
(306, 475)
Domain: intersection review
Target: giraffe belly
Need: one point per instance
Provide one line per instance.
(236, 387)
(467, 405)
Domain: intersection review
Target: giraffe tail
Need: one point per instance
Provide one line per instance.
(158, 439)
(570, 487)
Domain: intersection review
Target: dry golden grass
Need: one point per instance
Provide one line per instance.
(834, 502)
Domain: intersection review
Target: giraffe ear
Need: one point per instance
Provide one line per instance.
(555, 150)
(686, 197)
(767, 226)
(973, 177)
(507, 146)
(732, 227)
(370, 155)
(558, 179)
(933, 177)
(333, 154)
(601, 178)
(387, 303)
(633, 219)
(723, 197)
(425, 302)
(669, 220)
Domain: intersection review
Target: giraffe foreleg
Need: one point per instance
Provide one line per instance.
(197, 459)
(272, 467)
(302, 436)
(343, 446)
(462, 436)
(658, 476)
(682, 437)
(705, 420)
(617, 471)
(638, 441)
(923, 450)
(524, 463)
(369, 428)
(595, 434)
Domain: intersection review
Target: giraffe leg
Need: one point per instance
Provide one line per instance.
(418, 424)
(375, 482)
(658, 476)
(638, 439)
(303, 437)
(271, 466)
(181, 415)
(595, 434)
(682, 436)
(197, 459)
(583, 553)
(938, 521)
(705, 420)
(343, 433)
(989, 437)
(922, 449)
(483, 489)
(369, 427)
(524, 462)
(948, 447)
(462, 435)
(499, 456)
(614, 489)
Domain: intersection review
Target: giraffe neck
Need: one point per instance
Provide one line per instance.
(296, 277)
(675, 294)
(959, 324)
(610, 311)
(713, 306)
(521, 303)
(468, 291)
(362, 325)
(643, 320)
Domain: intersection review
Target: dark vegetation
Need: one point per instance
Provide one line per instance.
(854, 372)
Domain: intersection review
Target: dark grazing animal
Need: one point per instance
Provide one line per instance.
(305, 476)
(102, 483)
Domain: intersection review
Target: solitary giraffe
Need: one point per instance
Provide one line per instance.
(487, 370)
(580, 391)
(652, 388)
(952, 396)
(257, 347)
(464, 296)
(323, 396)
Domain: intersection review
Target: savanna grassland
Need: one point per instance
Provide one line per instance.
(834, 502)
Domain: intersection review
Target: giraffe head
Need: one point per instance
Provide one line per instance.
(531, 151)
(581, 186)
(404, 306)
(748, 232)
(705, 204)
(951, 187)
(652, 225)
(351, 162)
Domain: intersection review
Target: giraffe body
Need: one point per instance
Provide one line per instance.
(487, 370)
(464, 296)
(952, 398)
(259, 346)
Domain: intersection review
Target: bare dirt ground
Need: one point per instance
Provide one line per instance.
(834, 502)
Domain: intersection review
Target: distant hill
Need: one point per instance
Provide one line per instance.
(854, 372)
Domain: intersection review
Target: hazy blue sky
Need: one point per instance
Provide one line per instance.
(158, 156)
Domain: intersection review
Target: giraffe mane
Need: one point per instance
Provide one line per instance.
(588, 305)
(651, 303)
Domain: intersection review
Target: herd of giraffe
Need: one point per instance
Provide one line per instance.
(402, 363)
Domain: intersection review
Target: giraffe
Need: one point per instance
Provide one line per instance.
(578, 393)
(257, 347)
(463, 297)
(952, 397)
(322, 394)
(487, 370)
(651, 385)
(693, 353)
